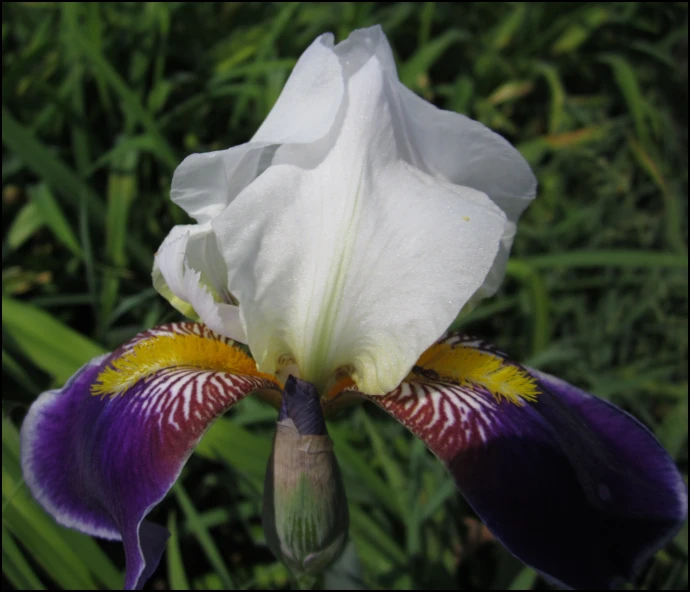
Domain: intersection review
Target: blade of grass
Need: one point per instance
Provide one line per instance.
(61, 178)
(503, 34)
(135, 110)
(524, 580)
(127, 304)
(17, 371)
(53, 217)
(394, 474)
(89, 259)
(279, 23)
(436, 501)
(365, 529)
(605, 258)
(16, 567)
(80, 138)
(46, 165)
(142, 144)
(121, 193)
(673, 431)
(245, 452)
(540, 302)
(425, 22)
(177, 578)
(586, 22)
(203, 536)
(27, 221)
(356, 466)
(557, 103)
(626, 78)
(672, 205)
(427, 55)
(47, 342)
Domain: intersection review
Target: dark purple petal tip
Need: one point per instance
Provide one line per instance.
(575, 487)
(570, 484)
(80, 477)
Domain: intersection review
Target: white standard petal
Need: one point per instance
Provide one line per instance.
(204, 184)
(361, 45)
(189, 272)
(465, 152)
(450, 146)
(311, 97)
(361, 262)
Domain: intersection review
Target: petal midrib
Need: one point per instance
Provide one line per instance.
(317, 367)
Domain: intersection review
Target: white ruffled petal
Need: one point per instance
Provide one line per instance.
(361, 262)
(168, 262)
(204, 184)
(218, 316)
(363, 44)
(463, 151)
(311, 97)
(190, 273)
(449, 146)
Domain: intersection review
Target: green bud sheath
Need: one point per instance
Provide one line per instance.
(305, 512)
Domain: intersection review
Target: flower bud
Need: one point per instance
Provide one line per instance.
(305, 512)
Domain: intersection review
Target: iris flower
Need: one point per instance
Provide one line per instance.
(339, 244)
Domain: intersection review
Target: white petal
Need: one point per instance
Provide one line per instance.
(448, 145)
(202, 254)
(362, 261)
(309, 102)
(352, 54)
(162, 288)
(361, 45)
(168, 261)
(204, 184)
(463, 151)
(218, 316)
(190, 273)
(443, 143)
(494, 278)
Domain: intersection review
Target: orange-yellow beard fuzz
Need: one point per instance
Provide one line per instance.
(173, 351)
(466, 366)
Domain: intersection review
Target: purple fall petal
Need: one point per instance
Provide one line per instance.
(100, 464)
(571, 485)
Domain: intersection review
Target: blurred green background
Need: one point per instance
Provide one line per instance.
(102, 100)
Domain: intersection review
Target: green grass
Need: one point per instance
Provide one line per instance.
(102, 100)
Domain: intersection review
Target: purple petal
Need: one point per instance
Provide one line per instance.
(570, 484)
(100, 464)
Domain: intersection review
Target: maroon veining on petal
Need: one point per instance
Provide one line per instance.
(570, 484)
(100, 464)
